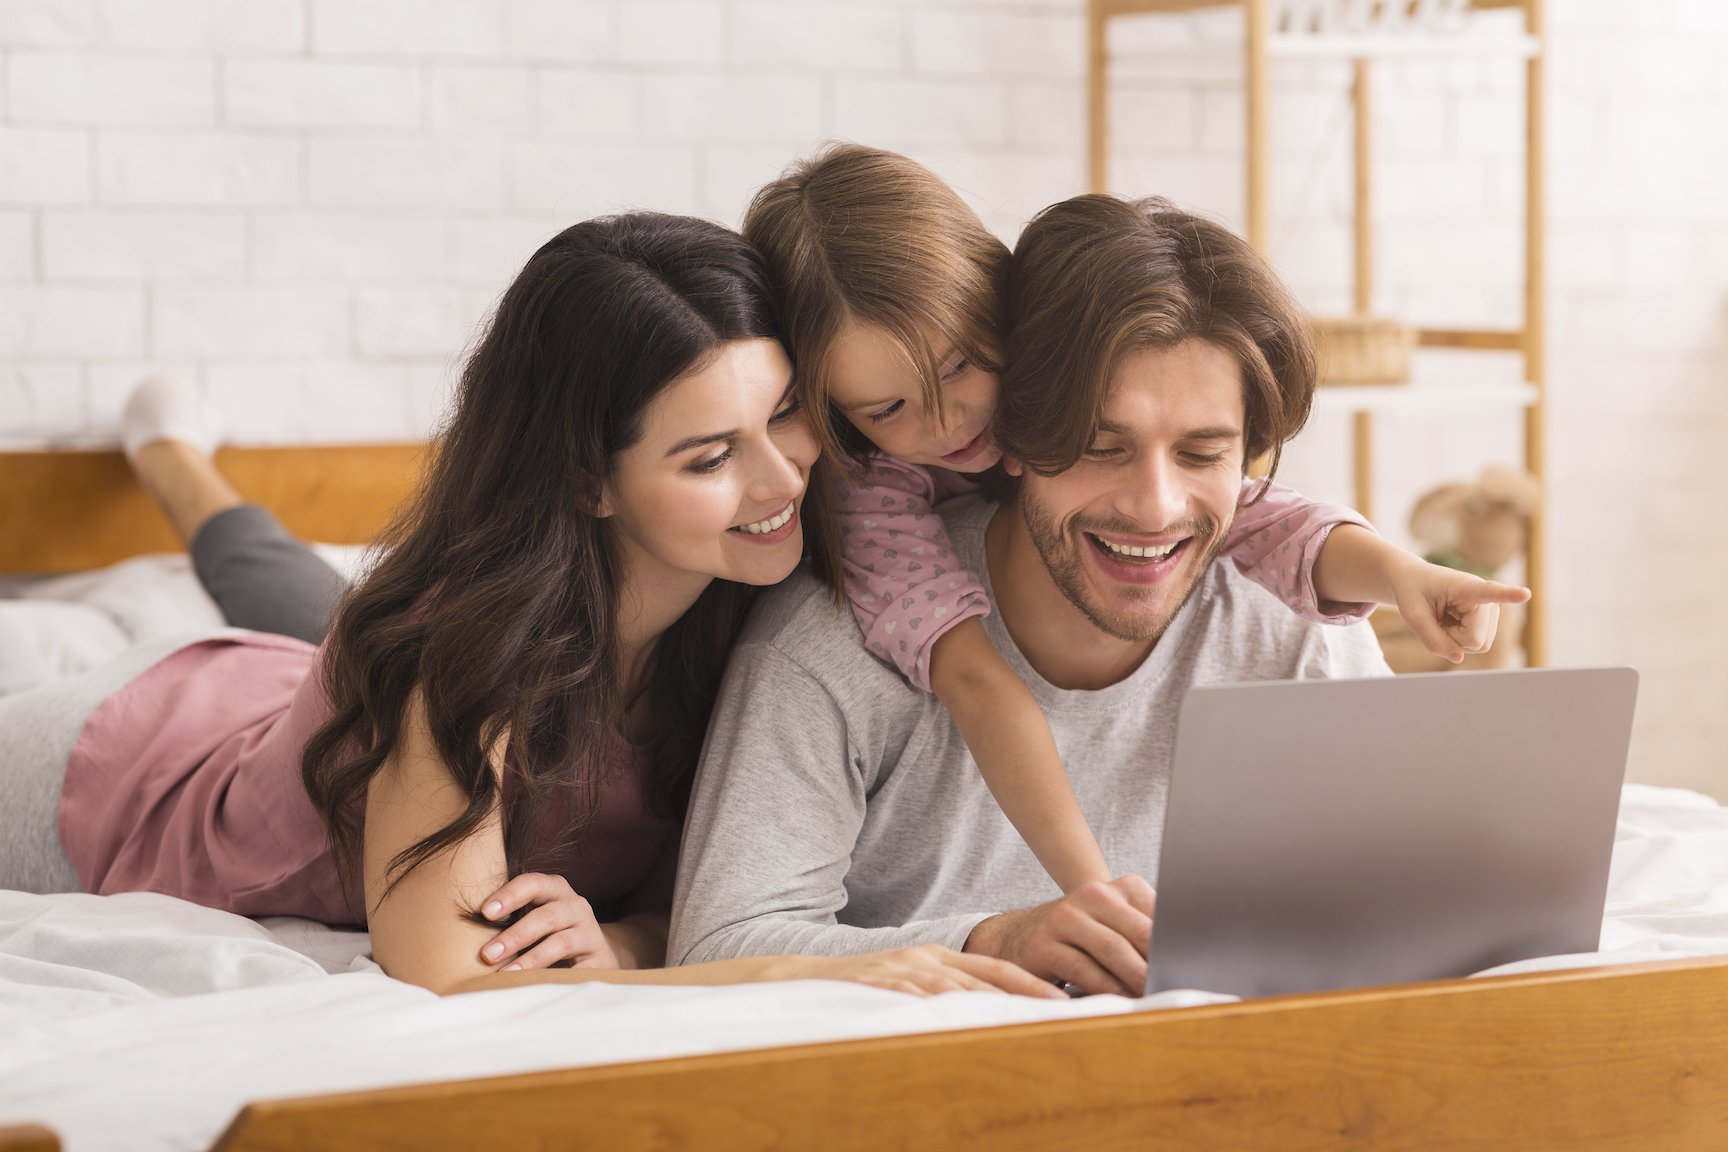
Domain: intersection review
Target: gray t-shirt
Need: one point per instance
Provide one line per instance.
(837, 809)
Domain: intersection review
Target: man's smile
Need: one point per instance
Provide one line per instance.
(1146, 562)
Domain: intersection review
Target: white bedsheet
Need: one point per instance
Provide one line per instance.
(143, 1022)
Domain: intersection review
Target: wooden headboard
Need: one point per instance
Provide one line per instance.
(62, 511)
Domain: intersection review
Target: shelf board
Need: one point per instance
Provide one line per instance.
(1114, 8)
(1413, 44)
(1342, 46)
(1398, 397)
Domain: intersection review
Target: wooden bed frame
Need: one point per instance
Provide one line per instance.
(1632, 1057)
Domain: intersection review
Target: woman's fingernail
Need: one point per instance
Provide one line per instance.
(513, 968)
(494, 950)
(491, 910)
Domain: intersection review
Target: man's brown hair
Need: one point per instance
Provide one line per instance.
(1097, 277)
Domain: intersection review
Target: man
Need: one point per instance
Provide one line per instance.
(1151, 356)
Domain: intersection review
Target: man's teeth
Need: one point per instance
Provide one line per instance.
(768, 525)
(1155, 551)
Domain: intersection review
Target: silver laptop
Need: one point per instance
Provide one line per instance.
(1338, 833)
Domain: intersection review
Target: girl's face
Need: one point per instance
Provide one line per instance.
(872, 383)
(713, 487)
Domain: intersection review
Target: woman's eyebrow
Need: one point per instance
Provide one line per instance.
(706, 438)
(690, 442)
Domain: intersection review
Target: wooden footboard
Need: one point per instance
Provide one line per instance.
(1632, 1058)
(66, 511)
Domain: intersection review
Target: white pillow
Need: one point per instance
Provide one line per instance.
(149, 597)
(44, 641)
(351, 561)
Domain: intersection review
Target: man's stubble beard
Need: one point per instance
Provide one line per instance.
(1066, 566)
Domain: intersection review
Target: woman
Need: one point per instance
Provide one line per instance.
(520, 685)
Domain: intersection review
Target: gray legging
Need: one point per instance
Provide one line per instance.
(260, 576)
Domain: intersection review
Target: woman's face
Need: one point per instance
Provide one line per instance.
(712, 488)
(875, 387)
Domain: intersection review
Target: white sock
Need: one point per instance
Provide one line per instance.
(164, 409)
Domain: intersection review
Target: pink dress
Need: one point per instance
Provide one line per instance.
(906, 590)
(187, 782)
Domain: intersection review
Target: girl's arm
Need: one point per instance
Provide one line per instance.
(901, 577)
(1277, 541)
(922, 614)
(1328, 565)
(1010, 739)
(422, 935)
(1452, 612)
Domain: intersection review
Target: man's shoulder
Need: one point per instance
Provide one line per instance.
(1252, 625)
(802, 621)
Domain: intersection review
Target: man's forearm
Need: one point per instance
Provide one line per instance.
(987, 936)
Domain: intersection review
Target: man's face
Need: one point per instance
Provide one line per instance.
(1127, 531)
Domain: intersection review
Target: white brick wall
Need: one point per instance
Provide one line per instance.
(104, 88)
(307, 206)
(141, 246)
(197, 168)
(44, 166)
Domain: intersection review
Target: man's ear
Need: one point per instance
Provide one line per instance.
(1013, 467)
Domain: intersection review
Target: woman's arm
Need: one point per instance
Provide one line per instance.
(546, 922)
(421, 932)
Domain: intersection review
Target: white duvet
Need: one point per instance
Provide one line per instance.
(142, 1022)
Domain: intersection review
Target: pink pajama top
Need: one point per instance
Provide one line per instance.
(906, 590)
(187, 782)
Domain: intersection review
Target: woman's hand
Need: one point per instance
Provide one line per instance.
(1451, 612)
(558, 927)
(922, 971)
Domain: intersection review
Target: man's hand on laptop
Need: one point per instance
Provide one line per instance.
(1094, 938)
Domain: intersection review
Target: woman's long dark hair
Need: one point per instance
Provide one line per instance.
(497, 592)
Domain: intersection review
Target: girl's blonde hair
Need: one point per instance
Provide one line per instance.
(860, 234)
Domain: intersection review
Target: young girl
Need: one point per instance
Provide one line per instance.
(519, 686)
(889, 288)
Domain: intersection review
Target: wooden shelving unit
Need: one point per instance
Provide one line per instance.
(1262, 45)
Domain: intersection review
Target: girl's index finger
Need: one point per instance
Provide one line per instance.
(1488, 592)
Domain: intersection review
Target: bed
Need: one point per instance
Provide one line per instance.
(142, 1022)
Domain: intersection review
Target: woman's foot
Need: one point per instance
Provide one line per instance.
(170, 440)
(164, 409)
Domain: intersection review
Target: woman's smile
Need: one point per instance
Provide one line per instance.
(774, 529)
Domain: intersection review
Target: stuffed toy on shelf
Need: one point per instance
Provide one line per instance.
(1478, 527)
